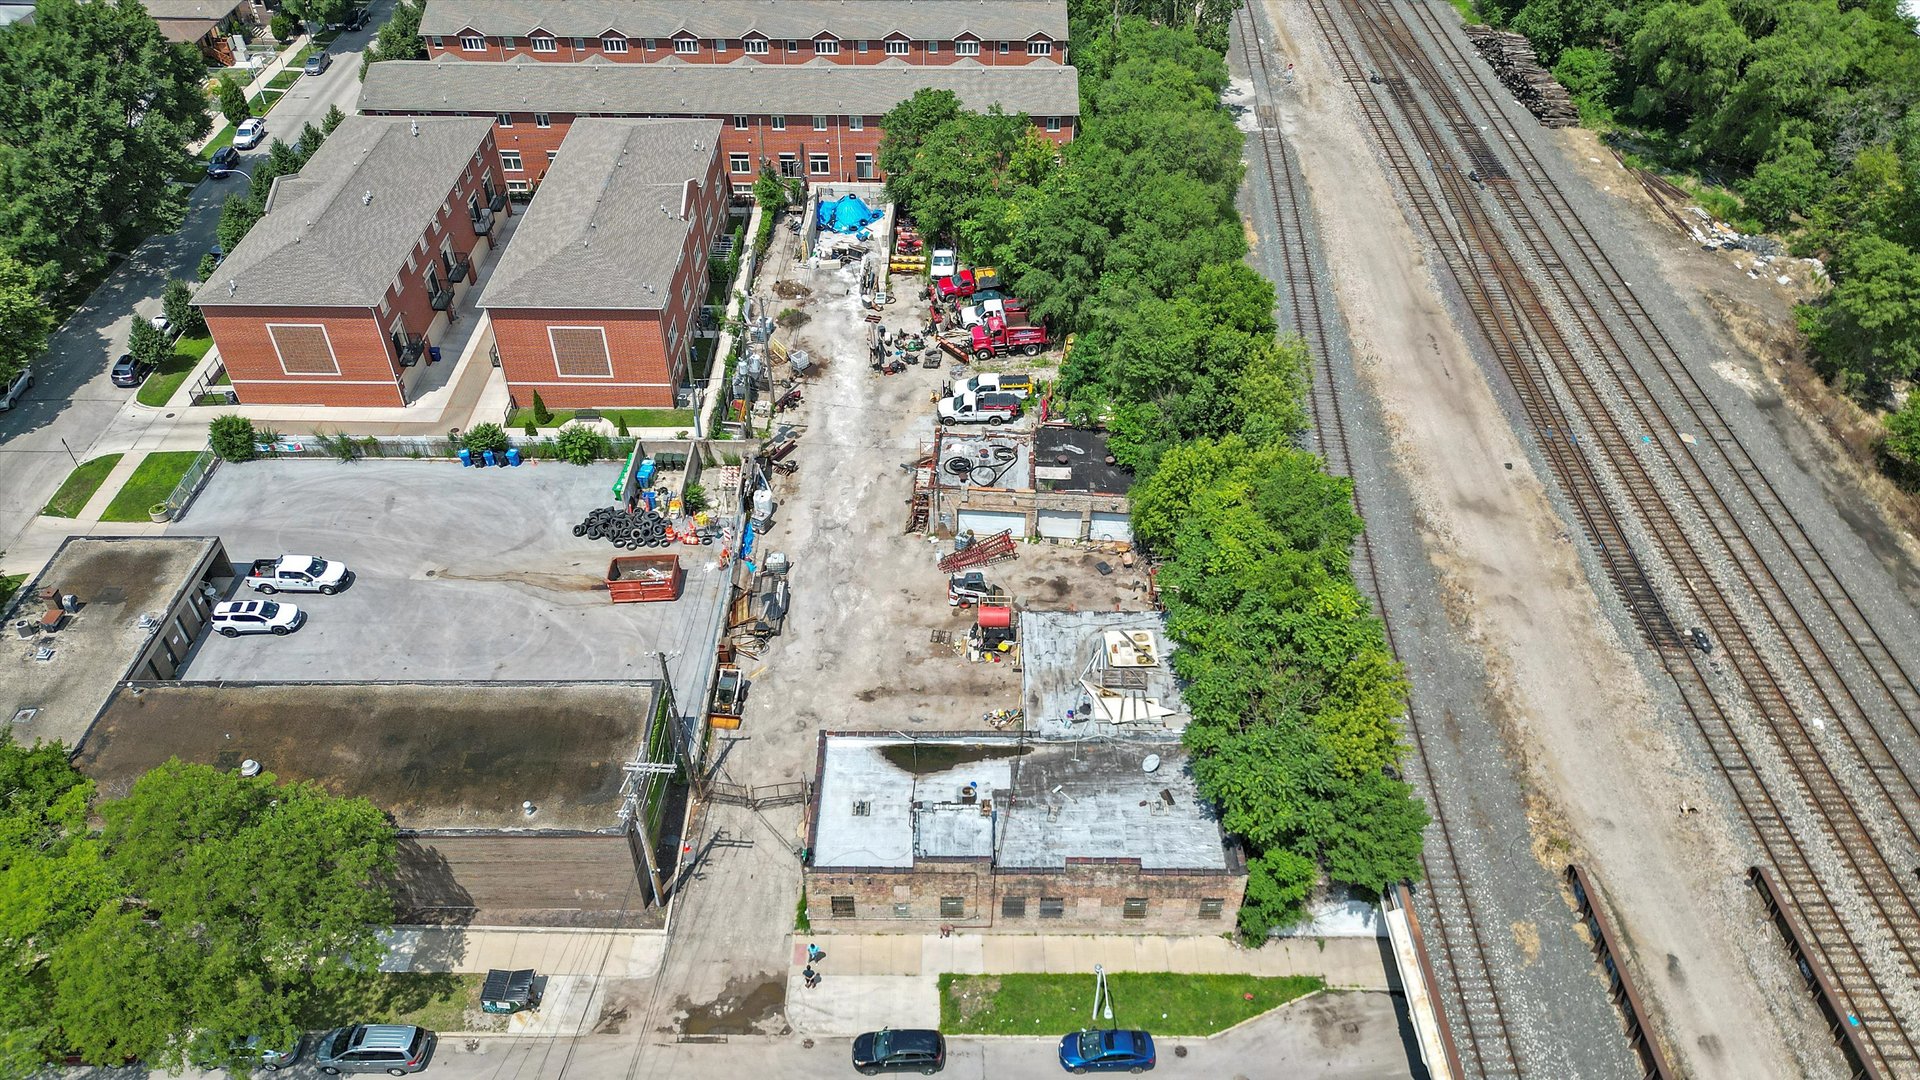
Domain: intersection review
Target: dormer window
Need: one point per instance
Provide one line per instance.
(613, 44)
(543, 43)
(685, 45)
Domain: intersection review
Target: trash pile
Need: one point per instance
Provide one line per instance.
(638, 528)
(1520, 71)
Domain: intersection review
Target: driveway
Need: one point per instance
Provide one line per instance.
(73, 406)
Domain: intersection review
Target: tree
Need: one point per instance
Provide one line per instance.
(310, 139)
(541, 414)
(399, 37)
(237, 216)
(177, 301)
(24, 319)
(333, 119)
(148, 343)
(770, 193)
(283, 26)
(1867, 329)
(232, 437)
(95, 111)
(233, 101)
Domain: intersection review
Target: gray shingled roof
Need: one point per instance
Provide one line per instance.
(322, 243)
(595, 236)
(921, 20)
(190, 9)
(817, 86)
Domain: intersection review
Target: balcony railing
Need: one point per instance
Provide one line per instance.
(440, 299)
(482, 222)
(499, 202)
(411, 347)
(458, 267)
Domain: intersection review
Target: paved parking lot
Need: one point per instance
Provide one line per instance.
(459, 574)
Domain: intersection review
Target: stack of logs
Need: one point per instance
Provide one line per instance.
(1514, 60)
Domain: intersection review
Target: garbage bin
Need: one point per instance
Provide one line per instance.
(488, 455)
(513, 455)
(466, 458)
(433, 354)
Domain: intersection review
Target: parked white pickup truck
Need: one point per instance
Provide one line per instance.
(298, 573)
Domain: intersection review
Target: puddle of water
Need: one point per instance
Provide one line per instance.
(923, 758)
(740, 1008)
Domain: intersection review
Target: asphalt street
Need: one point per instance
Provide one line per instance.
(73, 407)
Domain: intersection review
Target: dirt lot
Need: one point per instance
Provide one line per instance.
(1609, 789)
(858, 650)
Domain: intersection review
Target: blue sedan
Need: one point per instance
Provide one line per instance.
(1104, 1051)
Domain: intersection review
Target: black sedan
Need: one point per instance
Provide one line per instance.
(905, 1050)
(129, 374)
(223, 161)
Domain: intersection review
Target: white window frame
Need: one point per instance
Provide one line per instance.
(826, 46)
(1039, 48)
(551, 154)
(434, 40)
(754, 46)
(650, 44)
(1053, 123)
(779, 122)
(861, 45)
(504, 119)
(1006, 47)
(613, 44)
(282, 361)
(518, 165)
(966, 48)
(684, 46)
(739, 164)
(543, 43)
(824, 161)
(542, 120)
(899, 48)
(819, 122)
(579, 44)
(856, 123)
(518, 186)
(932, 46)
(475, 43)
(739, 121)
(554, 354)
(509, 41)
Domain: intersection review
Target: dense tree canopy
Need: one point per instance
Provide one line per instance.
(95, 110)
(210, 907)
(1129, 238)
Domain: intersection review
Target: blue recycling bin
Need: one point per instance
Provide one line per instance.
(513, 455)
(433, 354)
(488, 454)
(466, 458)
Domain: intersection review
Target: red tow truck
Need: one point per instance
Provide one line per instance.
(964, 283)
(994, 338)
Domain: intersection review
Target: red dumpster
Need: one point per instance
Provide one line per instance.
(639, 579)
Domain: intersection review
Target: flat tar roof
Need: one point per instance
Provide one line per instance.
(885, 801)
(439, 756)
(116, 580)
(1076, 459)
(1079, 678)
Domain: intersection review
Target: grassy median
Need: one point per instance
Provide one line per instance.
(1163, 1003)
(187, 352)
(80, 485)
(152, 481)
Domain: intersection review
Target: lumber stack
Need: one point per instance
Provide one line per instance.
(1520, 71)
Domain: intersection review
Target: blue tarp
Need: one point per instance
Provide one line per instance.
(847, 215)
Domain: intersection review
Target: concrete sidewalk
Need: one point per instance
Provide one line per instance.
(1347, 963)
(611, 954)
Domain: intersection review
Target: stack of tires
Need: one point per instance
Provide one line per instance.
(632, 531)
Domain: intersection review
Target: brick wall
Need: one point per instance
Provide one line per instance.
(527, 880)
(367, 375)
(728, 50)
(1093, 895)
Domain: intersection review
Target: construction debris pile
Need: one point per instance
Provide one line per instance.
(1519, 68)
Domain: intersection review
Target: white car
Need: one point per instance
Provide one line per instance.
(943, 263)
(236, 617)
(15, 388)
(249, 134)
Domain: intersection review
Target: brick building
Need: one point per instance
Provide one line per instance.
(593, 304)
(1015, 834)
(338, 293)
(1006, 32)
(819, 120)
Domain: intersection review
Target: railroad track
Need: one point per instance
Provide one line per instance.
(1832, 854)
(1467, 1004)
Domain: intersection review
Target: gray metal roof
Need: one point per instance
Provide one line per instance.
(605, 229)
(817, 86)
(920, 20)
(323, 242)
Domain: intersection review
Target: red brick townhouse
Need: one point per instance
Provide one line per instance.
(817, 120)
(723, 31)
(594, 302)
(337, 293)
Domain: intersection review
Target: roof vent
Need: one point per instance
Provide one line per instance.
(366, 199)
(416, 129)
(232, 286)
(249, 767)
(1151, 763)
(23, 716)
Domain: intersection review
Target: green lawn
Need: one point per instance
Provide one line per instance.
(10, 584)
(284, 80)
(265, 100)
(635, 418)
(1161, 1002)
(214, 146)
(152, 481)
(160, 385)
(437, 1002)
(80, 485)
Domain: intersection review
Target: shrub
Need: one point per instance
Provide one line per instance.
(484, 437)
(208, 264)
(620, 428)
(232, 437)
(532, 428)
(284, 27)
(582, 445)
(541, 414)
(178, 304)
(792, 318)
(694, 499)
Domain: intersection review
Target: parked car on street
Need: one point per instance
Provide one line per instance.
(252, 1050)
(297, 573)
(1094, 1050)
(16, 388)
(358, 19)
(249, 134)
(223, 161)
(903, 1050)
(127, 373)
(317, 63)
(398, 1049)
(236, 617)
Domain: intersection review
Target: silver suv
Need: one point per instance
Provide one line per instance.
(398, 1049)
(15, 388)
